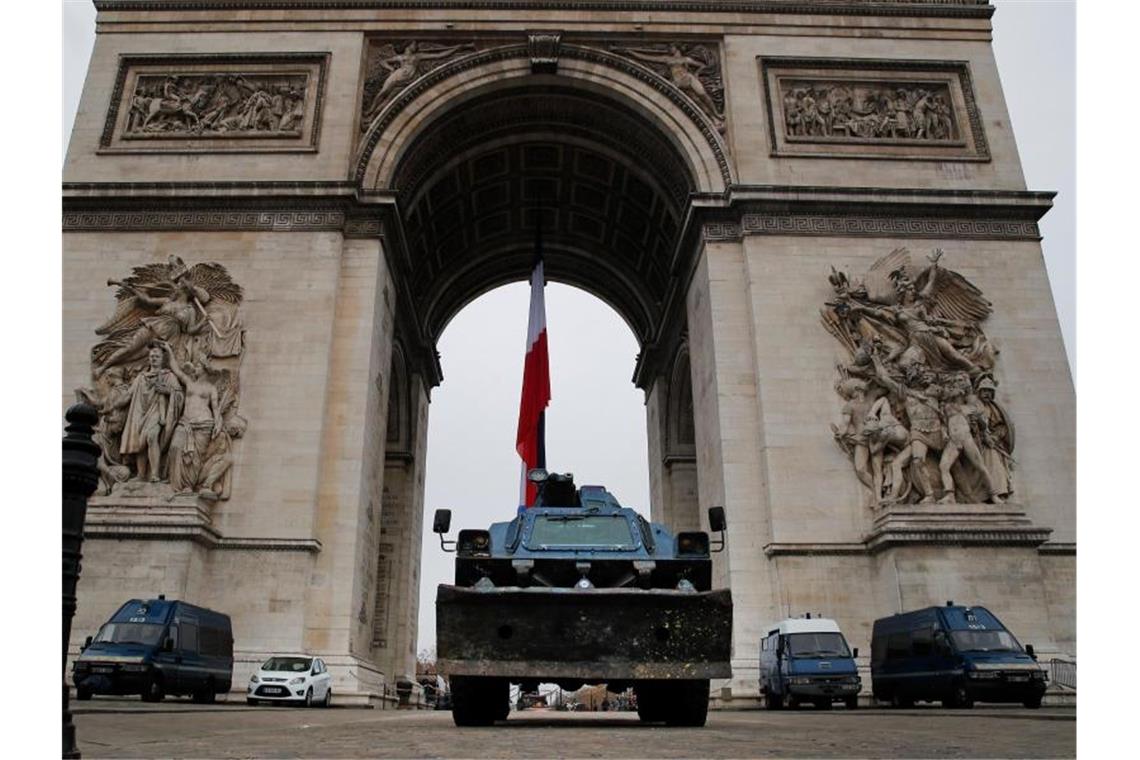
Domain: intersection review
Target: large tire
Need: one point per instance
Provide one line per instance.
(851, 702)
(309, 697)
(1034, 702)
(650, 701)
(958, 698)
(901, 702)
(206, 694)
(688, 703)
(153, 691)
(774, 701)
(82, 694)
(479, 701)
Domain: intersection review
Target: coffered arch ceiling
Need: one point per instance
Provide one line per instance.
(611, 192)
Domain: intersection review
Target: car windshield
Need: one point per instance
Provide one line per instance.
(984, 641)
(288, 664)
(597, 531)
(817, 645)
(129, 633)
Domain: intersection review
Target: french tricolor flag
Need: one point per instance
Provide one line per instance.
(531, 439)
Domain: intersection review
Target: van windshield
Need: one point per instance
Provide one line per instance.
(985, 641)
(129, 633)
(817, 645)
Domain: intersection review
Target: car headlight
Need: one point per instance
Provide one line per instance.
(851, 679)
(135, 668)
(254, 679)
(982, 674)
(1038, 675)
(296, 681)
(799, 681)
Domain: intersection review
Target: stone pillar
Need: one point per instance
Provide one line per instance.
(729, 440)
(351, 473)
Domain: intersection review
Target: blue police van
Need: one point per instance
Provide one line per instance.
(156, 647)
(954, 654)
(807, 660)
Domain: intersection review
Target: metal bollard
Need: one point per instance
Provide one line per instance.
(80, 477)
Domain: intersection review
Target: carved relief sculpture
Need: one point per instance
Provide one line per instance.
(694, 69)
(871, 111)
(920, 419)
(232, 104)
(392, 66)
(165, 379)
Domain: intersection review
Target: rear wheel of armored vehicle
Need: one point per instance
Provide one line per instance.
(688, 703)
(153, 691)
(651, 702)
(479, 701)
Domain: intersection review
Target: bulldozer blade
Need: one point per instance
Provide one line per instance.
(593, 634)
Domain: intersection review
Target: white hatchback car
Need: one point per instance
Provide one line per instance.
(294, 678)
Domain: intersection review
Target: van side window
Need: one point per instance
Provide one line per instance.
(922, 642)
(898, 646)
(189, 633)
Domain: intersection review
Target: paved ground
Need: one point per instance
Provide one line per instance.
(127, 728)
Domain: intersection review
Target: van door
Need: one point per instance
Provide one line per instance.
(190, 671)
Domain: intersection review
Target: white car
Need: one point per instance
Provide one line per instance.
(291, 678)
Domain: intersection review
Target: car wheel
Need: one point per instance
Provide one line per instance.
(153, 691)
(851, 702)
(774, 701)
(793, 702)
(328, 698)
(309, 697)
(1033, 703)
(822, 704)
(959, 698)
(205, 695)
(904, 703)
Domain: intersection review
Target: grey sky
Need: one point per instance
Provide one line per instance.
(596, 424)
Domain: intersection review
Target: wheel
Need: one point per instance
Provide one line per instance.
(205, 696)
(1033, 703)
(901, 702)
(774, 701)
(688, 703)
(328, 698)
(650, 701)
(851, 702)
(309, 697)
(153, 691)
(822, 704)
(793, 702)
(478, 700)
(82, 694)
(251, 701)
(959, 697)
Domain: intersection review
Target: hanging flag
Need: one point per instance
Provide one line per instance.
(531, 439)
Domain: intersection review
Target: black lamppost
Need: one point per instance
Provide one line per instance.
(80, 477)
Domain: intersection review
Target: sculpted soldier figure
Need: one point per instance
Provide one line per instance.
(200, 423)
(959, 407)
(920, 397)
(851, 437)
(155, 406)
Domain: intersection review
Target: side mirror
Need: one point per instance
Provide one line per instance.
(717, 524)
(855, 653)
(86, 643)
(1030, 651)
(168, 644)
(441, 524)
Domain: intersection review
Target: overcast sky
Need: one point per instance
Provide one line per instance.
(596, 423)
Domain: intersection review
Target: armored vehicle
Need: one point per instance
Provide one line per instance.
(581, 590)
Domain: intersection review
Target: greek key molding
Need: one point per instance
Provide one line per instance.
(951, 78)
(117, 138)
(888, 226)
(211, 219)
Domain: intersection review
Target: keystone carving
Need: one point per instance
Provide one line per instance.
(874, 111)
(694, 69)
(920, 419)
(165, 379)
(392, 66)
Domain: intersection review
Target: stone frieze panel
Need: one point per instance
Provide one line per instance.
(216, 104)
(855, 108)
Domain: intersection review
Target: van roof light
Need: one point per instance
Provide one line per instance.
(162, 596)
(949, 602)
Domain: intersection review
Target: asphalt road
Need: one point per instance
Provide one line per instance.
(126, 728)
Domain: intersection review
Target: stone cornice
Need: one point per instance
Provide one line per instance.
(922, 8)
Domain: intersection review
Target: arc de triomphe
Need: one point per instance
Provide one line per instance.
(811, 214)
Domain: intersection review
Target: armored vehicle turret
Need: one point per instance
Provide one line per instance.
(581, 590)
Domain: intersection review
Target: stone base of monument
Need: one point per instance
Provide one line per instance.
(958, 524)
(151, 514)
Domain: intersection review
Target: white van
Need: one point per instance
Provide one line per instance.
(807, 660)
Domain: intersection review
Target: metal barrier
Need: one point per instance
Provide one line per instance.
(1063, 673)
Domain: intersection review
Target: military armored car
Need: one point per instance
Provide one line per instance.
(580, 590)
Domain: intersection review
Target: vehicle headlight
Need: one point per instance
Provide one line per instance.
(851, 679)
(799, 681)
(298, 680)
(134, 668)
(1038, 675)
(982, 674)
(254, 679)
